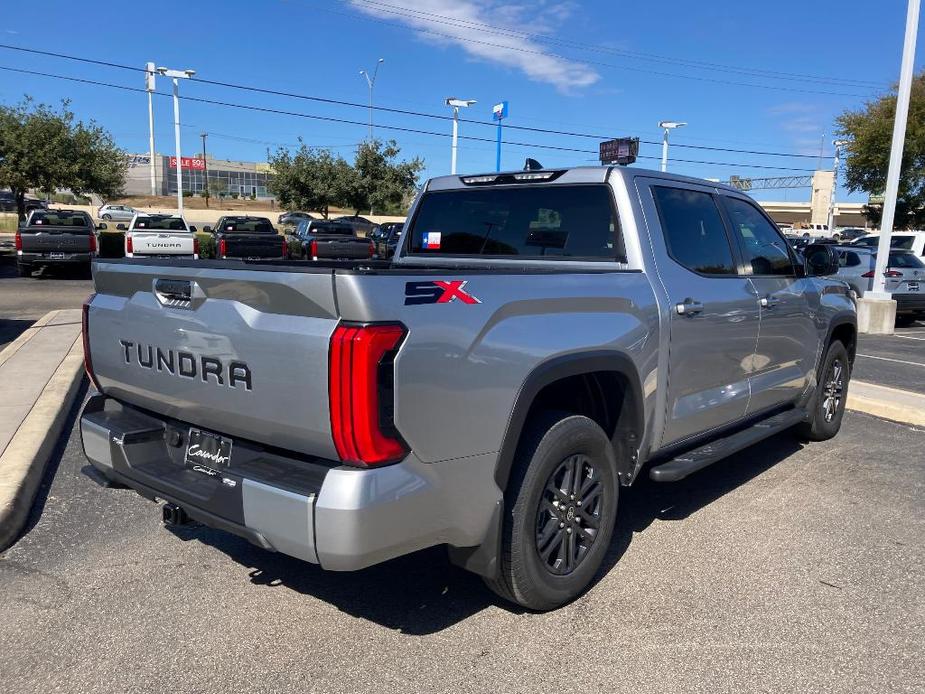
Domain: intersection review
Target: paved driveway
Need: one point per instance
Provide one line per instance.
(783, 569)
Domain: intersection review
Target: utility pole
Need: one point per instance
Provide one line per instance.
(205, 168)
(150, 88)
(896, 152)
(667, 125)
(838, 144)
(176, 76)
(371, 83)
(456, 104)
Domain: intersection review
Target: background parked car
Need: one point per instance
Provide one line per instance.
(903, 240)
(386, 240)
(322, 239)
(8, 203)
(116, 212)
(247, 237)
(292, 218)
(361, 225)
(905, 277)
(55, 237)
(160, 236)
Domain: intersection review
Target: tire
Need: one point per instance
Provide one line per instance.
(24, 269)
(825, 414)
(904, 320)
(107, 217)
(553, 446)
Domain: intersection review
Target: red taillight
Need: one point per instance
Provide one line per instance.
(888, 273)
(313, 250)
(361, 395)
(18, 241)
(222, 248)
(372, 249)
(85, 331)
(196, 246)
(92, 242)
(285, 248)
(128, 244)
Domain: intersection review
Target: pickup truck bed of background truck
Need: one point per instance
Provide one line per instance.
(539, 339)
(247, 237)
(58, 237)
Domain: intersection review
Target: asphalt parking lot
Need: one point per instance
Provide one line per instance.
(896, 360)
(23, 300)
(783, 568)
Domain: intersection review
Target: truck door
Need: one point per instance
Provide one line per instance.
(788, 340)
(713, 310)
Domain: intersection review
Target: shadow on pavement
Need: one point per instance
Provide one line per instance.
(11, 328)
(423, 593)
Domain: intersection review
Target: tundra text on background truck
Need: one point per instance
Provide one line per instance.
(540, 339)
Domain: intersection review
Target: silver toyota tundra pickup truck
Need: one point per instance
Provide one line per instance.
(540, 339)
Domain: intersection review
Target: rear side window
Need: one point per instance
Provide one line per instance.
(904, 242)
(906, 260)
(848, 259)
(765, 249)
(694, 230)
(565, 222)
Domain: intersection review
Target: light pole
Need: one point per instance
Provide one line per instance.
(176, 76)
(456, 104)
(838, 145)
(151, 88)
(667, 125)
(205, 169)
(371, 82)
(896, 154)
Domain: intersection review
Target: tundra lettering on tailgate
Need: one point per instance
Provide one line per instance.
(187, 365)
(438, 292)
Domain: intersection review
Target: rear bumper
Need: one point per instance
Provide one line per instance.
(44, 259)
(909, 303)
(340, 517)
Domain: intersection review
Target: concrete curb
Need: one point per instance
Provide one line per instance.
(23, 463)
(894, 404)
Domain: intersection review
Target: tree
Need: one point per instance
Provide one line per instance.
(310, 179)
(869, 131)
(44, 148)
(382, 184)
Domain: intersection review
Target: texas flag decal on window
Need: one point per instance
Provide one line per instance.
(432, 240)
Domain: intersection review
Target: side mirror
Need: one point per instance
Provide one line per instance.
(102, 226)
(121, 227)
(820, 260)
(192, 229)
(206, 229)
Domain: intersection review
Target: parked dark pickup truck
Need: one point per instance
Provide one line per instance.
(247, 237)
(319, 239)
(55, 237)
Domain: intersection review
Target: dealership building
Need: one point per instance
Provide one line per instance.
(246, 179)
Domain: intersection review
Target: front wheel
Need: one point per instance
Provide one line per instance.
(827, 406)
(560, 509)
(107, 217)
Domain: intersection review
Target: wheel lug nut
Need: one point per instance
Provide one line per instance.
(568, 530)
(572, 497)
(561, 525)
(579, 503)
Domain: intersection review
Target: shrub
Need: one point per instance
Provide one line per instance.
(206, 244)
(234, 196)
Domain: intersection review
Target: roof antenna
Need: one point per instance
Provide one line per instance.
(532, 165)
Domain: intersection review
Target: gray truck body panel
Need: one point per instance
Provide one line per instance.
(465, 374)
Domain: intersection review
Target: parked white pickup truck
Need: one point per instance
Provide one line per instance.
(160, 235)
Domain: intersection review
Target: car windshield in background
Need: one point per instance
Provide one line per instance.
(160, 224)
(906, 260)
(333, 229)
(564, 221)
(249, 226)
(59, 219)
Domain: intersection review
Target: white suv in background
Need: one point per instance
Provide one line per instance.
(902, 240)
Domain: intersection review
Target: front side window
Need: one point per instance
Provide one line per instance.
(694, 230)
(848, 259)
(550, 222)
(765, 250)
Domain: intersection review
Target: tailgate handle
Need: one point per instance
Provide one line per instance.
(174, 293)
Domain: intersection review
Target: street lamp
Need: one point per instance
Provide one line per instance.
(177, 75)
(456, 104)
(838, 144)
(667, 125)
(371, 82)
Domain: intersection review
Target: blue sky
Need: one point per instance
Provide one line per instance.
(612, 68)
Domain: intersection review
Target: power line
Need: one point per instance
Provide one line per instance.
(331, 119)
(485, 27)
(405, 112)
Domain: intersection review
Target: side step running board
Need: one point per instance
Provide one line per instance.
(687, 463)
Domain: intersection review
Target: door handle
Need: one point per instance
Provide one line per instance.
(689, 307)
(768, 301)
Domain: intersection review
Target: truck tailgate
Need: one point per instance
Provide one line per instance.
(253, 245)
(55, 241)
(342, 248)
(246, 354)
(162, 243)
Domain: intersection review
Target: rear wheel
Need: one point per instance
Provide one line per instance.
(828, 404)
(24, 269)
(107, 217)
(560, 509)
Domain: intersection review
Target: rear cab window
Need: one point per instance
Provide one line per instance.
(332, 229)
(159, 224)
(61, 219)
(250, 226)
(546, 222)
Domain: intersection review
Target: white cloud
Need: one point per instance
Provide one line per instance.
(463, 22)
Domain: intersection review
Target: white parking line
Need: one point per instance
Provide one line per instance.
(909, 337)
(898, 361)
